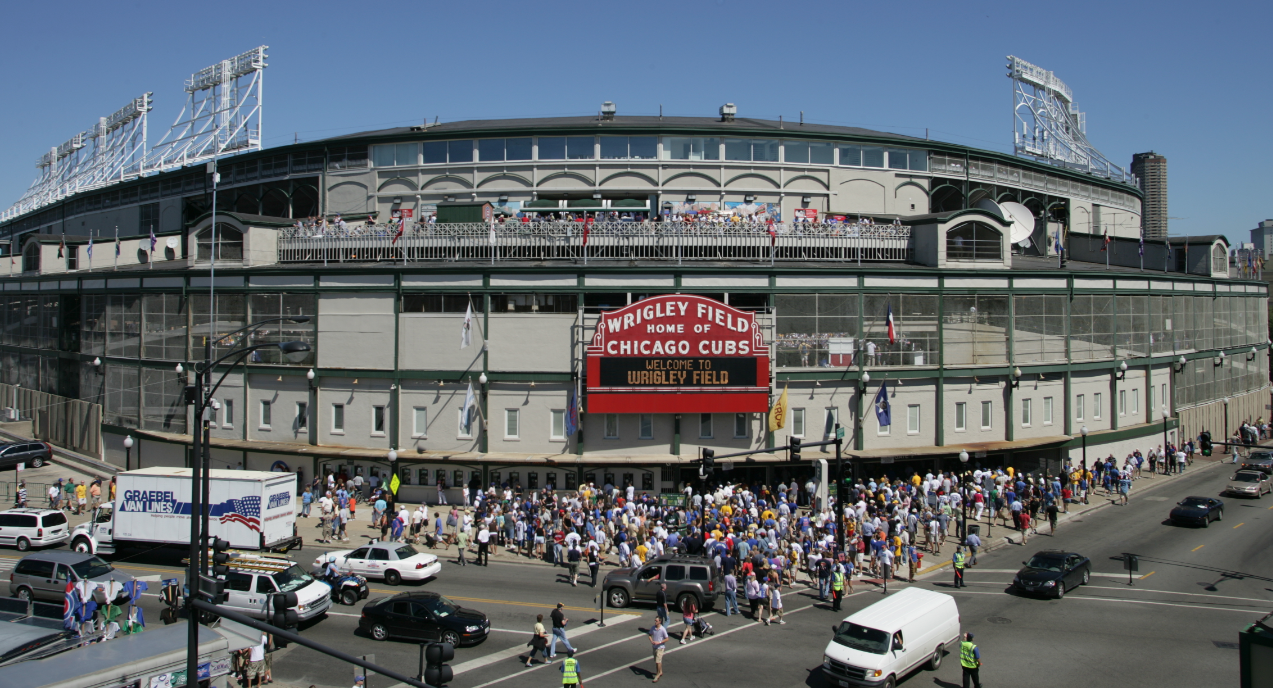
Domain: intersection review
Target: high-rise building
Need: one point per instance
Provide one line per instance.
(1151, 173)
(1262, 237)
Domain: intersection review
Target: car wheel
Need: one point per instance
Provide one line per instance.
(379, 632)
(1206, 521)
(37, 462)
(890, 682)
(618, 598)
(934, 662)
(1220, 515)
(83, 546)
(685, 600)
(451, 637)
(349, 598)
(1087, 577)
(393, 577)
(1060, 589)
(23, 544)
(25, 595)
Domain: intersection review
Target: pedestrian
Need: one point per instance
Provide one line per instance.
(837, 588)
(1052, 516)
(570, 670)
(359, 682)
(559, 632)
(307, 498)
(256, 662)
(81, 497)
(970, 660)
(660, 602)
(886, 567)
(731, 595)
(538, 642)
(775, 605)
(573, 556)
(593, 564)
(21, 500)
(752, 590)
(95, 494)
(483, 546)
(658, 641)
(958, 562)
(55, 493)
(461, 546)
(689, 608)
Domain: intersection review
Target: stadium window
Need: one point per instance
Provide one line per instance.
(459, 151)
(740, 425)
(961, 416)
(912, 419)
(302, 416)
(1135, 401)
(897, 159)
(1096, 406)
(534, 303)
(437, 303)
(987, 420)
(1047, 410)
(434, 152)
(1026, 410)
(517, 149)
(612, 426)
(420, 422)
(511, 424)
(806, 152)
(797, 422)
(974, 241)
(850, 156)
(1122, 402)
(628, 147)
(395, 154)
(1078, 407)
(499, 150)
(647, 427)
(557, 429)
(552, 148)
(752, 150)
(705, 426)
(691, 148)
(265, 415)
(872, 157)
(377, 420)
(580, 148)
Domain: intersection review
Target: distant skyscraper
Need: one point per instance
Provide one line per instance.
(1151, 172)
(1262, 237)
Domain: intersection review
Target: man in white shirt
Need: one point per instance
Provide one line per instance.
(256, 662)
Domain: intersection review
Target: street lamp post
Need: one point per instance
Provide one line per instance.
(963, 460)
(128, 452)
(1165, 413)
(1226, 425)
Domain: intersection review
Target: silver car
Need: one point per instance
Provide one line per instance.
(43, 576)
(1249, 484)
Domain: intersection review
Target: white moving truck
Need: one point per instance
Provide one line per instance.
(253, 510)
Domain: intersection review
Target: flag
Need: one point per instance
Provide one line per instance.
(470, 404)
(90, 248)
(117, 242)
(466, 332)
(153, 240)
(883, 412)
(773, 232)
(572, 414)
(1142, 244)
(61, 246)
(587, 229)
(1056, 246)
(1105, 241)
(70, 608)
(246, 511)
(393, 484)
(778, 414)
(892, 329)
(402, 224)
(492, 234)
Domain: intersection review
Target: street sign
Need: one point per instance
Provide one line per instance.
(839, 433)
(675, 499)
(886, 459)
(727, 465)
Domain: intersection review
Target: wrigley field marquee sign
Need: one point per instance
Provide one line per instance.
(678, 354)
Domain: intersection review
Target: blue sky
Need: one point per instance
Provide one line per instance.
(1188, 80)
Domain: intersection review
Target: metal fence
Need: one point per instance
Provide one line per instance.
(548, 241)
(72, 424)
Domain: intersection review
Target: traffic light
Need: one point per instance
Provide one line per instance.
(220, 557)
(709, 460)
(212, 590)
(1204, 443)
(437, 672)
(793, 453)
(284, 614)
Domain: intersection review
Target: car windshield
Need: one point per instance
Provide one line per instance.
(441, 607)
(292, 578)
(862, 638)
(1195, 502)
(406, 552)
(92, 568)
(1247, 477)
(1047, 563)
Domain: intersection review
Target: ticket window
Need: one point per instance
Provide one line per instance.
(457, 479)
(495, 479)
(514, 479)
(647, 482)
(590, 478)
(609, 479)
(424, 476)
(532, 480)
(572, 480)
(404, 474)
(552, 481)
(627, 480)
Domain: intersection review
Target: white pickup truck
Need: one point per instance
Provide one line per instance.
(253, 510)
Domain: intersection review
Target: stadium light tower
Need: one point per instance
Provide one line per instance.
(1047, 124)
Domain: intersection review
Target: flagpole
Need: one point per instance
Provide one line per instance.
(116, 247)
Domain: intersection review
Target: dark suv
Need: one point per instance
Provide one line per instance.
(686, 577)
(33, 454)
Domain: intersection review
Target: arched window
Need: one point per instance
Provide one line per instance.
(974, 241)
(229, 244)
(31, 257)
(1219, 260)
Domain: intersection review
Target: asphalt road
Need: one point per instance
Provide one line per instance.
(1196, 588)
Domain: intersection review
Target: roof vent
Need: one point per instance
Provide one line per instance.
(607, 111)
(727, 112)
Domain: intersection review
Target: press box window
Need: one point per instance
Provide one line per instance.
(377, 420)
(805, 152)
(395, 154)
(629, 147)
(338, 418)
(499, 150)
(691, 148)
(534, 303)
(565, 148)
(751, 150)
(419, 421)
(438, 303)
(265, 415)
(437, 152)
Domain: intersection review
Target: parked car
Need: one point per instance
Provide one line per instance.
(33, 454)
(1053, 572)
(44, 575)
(1249, 483)
(392, 561)
(686, 577)
(1198, 510)
(1261, 461)
(25, 528)
(426, 616)
(882, 644)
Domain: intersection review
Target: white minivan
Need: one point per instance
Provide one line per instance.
(881, 644)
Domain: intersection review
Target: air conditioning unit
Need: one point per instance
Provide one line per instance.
(9, 415)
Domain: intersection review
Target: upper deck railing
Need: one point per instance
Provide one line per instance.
(608, 241)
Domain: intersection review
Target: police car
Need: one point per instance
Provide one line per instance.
(392, 561)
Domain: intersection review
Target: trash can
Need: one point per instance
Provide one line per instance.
(975, 530)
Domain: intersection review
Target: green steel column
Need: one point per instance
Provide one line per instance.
(483, 445)
(1009, 425)
(940, 419)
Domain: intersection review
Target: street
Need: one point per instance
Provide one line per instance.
(1176, 624)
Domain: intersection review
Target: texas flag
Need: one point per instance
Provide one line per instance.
(402, 223)
(892, 330)
(587, 229)
(773, 232)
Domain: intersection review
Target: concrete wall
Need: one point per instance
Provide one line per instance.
(355, 330)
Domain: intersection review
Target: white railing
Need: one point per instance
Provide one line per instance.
(541, 241)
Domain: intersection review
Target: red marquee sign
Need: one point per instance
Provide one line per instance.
(678, 354)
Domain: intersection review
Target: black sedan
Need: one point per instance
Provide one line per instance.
(1198, 510)
(1053, 572)
(425, 616)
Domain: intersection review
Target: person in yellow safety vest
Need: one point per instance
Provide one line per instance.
(970, 660)
(837, 588)
(959, 564)
(570, 670)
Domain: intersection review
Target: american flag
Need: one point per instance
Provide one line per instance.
(246, 511)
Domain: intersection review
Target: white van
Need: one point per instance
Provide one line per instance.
(881, 644)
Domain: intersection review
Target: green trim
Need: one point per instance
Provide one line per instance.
(1100, 438)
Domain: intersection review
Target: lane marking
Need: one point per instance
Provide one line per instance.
(1239, 525)
(1195, 549)
(1113, 599)
(1147, 575)
(519, 650)
(1094, 574)
(1173, 592)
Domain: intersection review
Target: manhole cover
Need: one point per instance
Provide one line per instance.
(999, 620)
(1224, 645)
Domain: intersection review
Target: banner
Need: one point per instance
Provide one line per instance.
(778, 414)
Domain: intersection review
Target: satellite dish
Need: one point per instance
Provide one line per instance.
(994, 208)
(1022, 221)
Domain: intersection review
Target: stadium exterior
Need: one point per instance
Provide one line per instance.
(996, 349)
